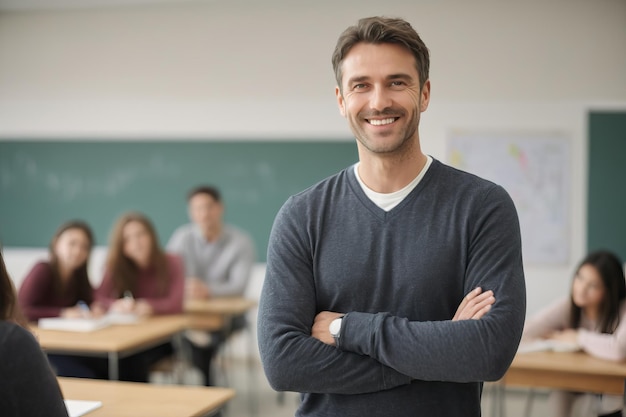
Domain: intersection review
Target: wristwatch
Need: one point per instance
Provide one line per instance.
(335, 329)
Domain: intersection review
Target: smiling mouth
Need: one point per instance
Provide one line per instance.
(382, 122)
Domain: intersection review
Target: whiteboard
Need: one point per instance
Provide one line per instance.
(534, 168)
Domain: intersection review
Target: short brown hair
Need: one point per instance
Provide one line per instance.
(379, 30)
(209, 190)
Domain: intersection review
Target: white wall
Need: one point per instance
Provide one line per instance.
(247, 69)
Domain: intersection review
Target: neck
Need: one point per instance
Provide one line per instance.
(213, 233)
(592, 313)
(390, 173)
(65, 273)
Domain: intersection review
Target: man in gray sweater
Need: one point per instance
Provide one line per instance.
(365, 269)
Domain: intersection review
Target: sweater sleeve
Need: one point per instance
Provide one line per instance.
(431, 350)
(28, 386)
(552, 318)
(35, 293)
(606, 346)
(172, 302)
(292, 359)
(104, 294)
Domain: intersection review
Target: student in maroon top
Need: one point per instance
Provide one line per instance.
(55, 287)
(141, 278)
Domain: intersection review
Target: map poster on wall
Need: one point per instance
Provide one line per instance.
(535, 170)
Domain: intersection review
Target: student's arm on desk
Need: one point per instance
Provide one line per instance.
(606, 346)
(553, 317)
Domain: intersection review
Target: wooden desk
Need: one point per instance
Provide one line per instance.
(126, 399)
(114, 341)
(213, 314)
(576, 371)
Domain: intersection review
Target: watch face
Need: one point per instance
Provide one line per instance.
(335, 327)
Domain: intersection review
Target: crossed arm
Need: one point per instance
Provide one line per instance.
(473, 306)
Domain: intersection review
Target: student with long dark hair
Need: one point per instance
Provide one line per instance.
(140, 279)
(56, 287)
(28, 387)
(593, 317)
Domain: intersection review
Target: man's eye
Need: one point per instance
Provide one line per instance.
(397, 83)
(358, 86)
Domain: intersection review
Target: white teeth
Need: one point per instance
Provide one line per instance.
(376, 122)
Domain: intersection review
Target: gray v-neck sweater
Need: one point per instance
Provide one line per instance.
(399, 277)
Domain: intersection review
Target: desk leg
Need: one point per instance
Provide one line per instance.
(114, 366)
(498, 402)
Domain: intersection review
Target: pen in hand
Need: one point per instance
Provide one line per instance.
(84, 309)
(129, 301)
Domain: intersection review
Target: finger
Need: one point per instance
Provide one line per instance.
(472, 294)
(480, 301)
(465, 302)
(481, 312)
(485, 302)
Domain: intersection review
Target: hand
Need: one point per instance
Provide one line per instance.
(568, 336)
(123, 305)
(196, 289)
(474, 305)
(143, 308)
(321, 323)
(72, 313)
(97, 309)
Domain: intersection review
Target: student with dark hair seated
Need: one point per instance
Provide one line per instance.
(28, 387)
(593, 317)
(56, 287)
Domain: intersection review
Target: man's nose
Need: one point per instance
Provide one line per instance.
(380, 99)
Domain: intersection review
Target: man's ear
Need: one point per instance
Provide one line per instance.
(425, 96)
(340, 101)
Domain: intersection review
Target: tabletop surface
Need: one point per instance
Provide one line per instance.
(568, 362)
(114, 338)
(220, 305)
(125, 399)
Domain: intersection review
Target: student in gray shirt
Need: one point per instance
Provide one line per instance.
(218, 262)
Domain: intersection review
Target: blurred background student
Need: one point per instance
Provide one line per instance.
(592, 317)
(56, 287)
(218, 263)
(141, 279)
(28, 387)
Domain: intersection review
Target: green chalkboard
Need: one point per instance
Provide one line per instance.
(44, 183)
(606, 221)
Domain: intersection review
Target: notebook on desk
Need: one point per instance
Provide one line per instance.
(73, 325)
(86, 324)
(77, 408)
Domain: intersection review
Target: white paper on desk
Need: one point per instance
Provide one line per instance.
(121, 318)
(86, 324)
(73, 325)
(547, 345)
(77, 408)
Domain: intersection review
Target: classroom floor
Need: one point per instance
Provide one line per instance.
(255, 398)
